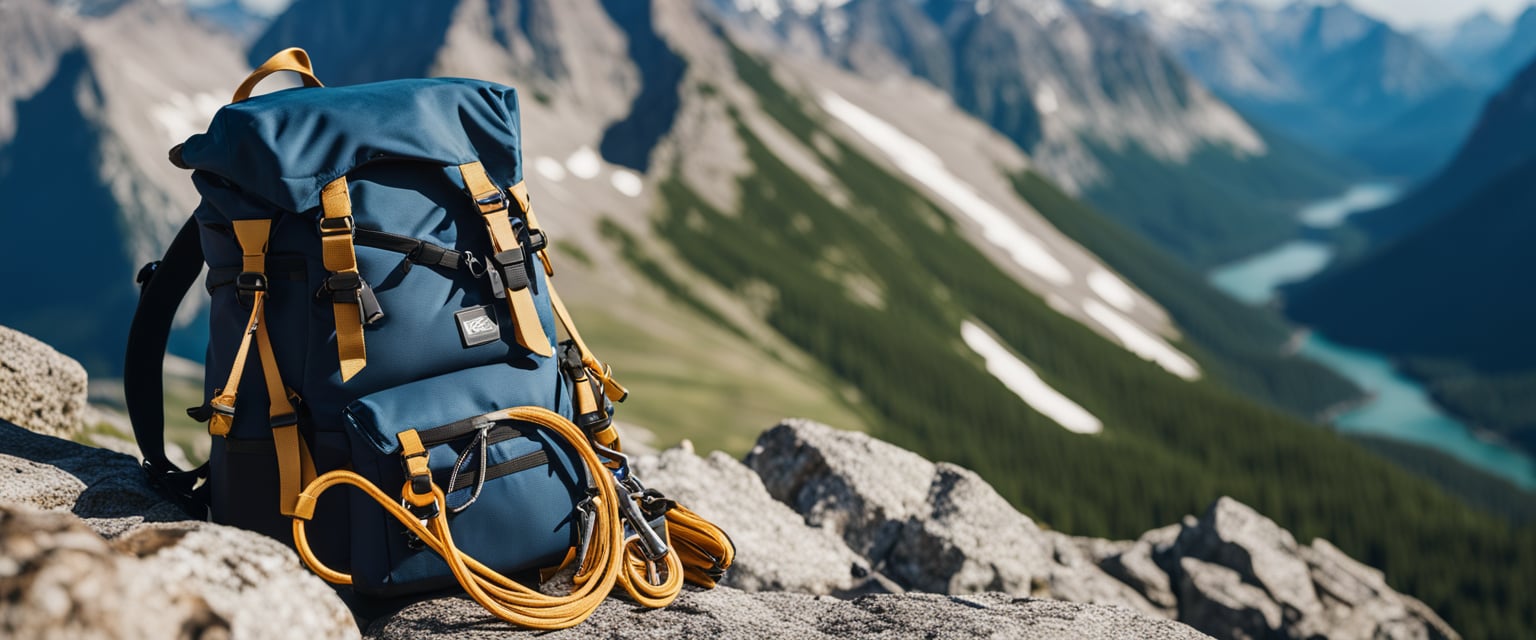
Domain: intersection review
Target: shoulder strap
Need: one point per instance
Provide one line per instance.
(163, 285)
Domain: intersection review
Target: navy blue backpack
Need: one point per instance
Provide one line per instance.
(382, 317)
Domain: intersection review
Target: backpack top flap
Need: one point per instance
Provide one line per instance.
(283, 147)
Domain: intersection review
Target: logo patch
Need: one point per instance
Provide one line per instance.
(477, 326)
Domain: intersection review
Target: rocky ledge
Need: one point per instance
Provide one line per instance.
(838, 535)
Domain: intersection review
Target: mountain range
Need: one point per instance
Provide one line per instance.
(95, 97)
(1516, 50)
(1323, 73)
(756, 212)
(1102, 110)
(1468, 43)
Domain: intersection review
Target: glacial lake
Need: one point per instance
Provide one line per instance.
(1399, 408)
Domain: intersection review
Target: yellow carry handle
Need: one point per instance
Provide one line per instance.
(291, 59)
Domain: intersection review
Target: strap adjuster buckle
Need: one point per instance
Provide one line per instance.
(332, 226)
(420, 484)
(251, 281)
(222, 409)
(247, 284)
(496, 200)
(343, 286)
(513, 265)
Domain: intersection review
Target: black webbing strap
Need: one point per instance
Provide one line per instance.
(163, 285)
(416, 251)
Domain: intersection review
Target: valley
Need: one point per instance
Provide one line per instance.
(1397, 406)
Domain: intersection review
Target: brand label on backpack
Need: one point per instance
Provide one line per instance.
(477, 326)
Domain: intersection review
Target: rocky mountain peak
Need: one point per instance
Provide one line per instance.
(1048, 74)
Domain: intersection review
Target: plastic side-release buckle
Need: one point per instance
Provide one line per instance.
(342, 286)
(349, 287)
(513, 265)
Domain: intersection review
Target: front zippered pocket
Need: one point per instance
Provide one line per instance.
(512, 487)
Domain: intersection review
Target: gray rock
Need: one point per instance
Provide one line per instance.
(203, 577)
(775, 550)
(848, 483)
(40, 389)
(107, 489)
(1359, 604)
(940, 528)
(1233, 535)
(254, 582)
(1098, 549)
(932, 527)
(58, 579)
(862, 510)
(725, 614)
(1216, 600)
(1136, 567)
(1238, 574)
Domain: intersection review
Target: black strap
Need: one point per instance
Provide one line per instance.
(291, 267)
(416, 251)
(162, 290)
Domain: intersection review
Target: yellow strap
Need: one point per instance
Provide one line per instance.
(293, 59)
(295, 466)
(223, 402)
(341, 258)
(525, 315)
(519, 192)
(415, 457)
(609, 437)
(252, 236)
(703, 548)
(603, 372)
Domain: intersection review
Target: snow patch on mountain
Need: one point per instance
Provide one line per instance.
(1182, 11)
(1113, 290)
(1140, 342)
(182, 115)
(550, 168)
(927, 168)
(1045, 12)
(1022, 380)
(772, 9)
(584, 163)
(627, 182)
(1045, 101)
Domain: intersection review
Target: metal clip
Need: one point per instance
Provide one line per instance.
(655, 548)
(586, 525)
